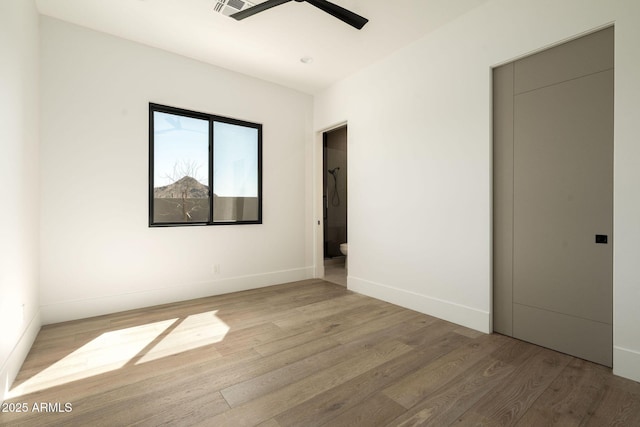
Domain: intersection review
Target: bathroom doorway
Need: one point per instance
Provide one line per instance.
(334, 202)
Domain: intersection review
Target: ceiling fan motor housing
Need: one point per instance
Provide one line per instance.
(339, 12)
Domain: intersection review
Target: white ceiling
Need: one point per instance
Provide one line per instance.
(268, 45)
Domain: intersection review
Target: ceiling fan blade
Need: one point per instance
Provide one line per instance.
(341, 13)
(258, 8)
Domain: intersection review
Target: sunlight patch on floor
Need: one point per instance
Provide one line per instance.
(113, 350)
(108, 352)
(195, 331)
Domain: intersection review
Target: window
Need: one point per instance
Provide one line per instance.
(203, 169)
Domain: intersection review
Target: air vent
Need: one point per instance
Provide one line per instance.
(229, 7)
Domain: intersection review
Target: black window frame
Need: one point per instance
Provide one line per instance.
(212, 119)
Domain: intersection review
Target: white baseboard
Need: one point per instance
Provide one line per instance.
(446, 310)
(83, 308)
(626, 363)
(17, 356)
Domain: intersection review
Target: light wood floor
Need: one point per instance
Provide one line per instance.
(335, 273)
(304, 354)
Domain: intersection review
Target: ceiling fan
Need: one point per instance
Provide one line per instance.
(341, 13)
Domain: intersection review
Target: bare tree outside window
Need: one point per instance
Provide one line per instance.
(186, 195)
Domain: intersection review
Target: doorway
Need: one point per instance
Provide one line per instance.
(334, 202)
(553, 198)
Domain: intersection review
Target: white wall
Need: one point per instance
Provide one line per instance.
(98, 254)
(420, 132)
(19, 313)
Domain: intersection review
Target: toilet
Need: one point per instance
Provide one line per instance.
(344, 248)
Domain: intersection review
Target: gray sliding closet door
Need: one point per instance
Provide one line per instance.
(553, 203)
